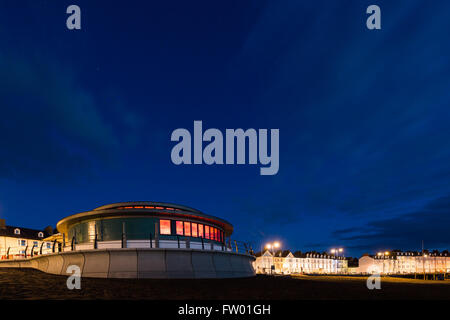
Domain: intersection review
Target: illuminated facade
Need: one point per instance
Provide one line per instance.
(18, 242)
(288, 263)
(405, 263)
(142, 240)
(143, 225)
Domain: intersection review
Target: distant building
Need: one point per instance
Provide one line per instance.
(288, 263)
(405, 263)
(18, 242)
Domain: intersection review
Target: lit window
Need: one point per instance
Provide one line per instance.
(187, 228)
(194, 230)
(180, 228)
(200, 230)
(211, 233)
(207, 232)
(164, 226)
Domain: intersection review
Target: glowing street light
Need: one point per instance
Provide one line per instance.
(337, 251)
(273, 245)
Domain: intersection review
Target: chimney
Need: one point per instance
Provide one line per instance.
(48, 230)
(2, 224)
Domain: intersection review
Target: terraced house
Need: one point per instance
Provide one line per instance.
(18, 242)
(285, 262)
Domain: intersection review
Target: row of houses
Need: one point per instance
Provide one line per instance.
(286, 262)
(390, 263)
(18, 242)
(405, 263)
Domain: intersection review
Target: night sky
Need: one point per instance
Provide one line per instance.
(364, 116)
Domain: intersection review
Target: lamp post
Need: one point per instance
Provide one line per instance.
(273, 245)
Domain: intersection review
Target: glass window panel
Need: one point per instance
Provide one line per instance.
(194, 230)
(187, 228)
(200, 230)
(207, 232)
(180, 228)
(164, 226)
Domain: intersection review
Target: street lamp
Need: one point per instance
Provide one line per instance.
(273, 245)
(337, 251)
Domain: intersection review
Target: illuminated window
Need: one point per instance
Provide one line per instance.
(187, 228)
(194, 230)
(207, 232)
(211, 233)
(164, 226)
(180, 228)
(217, 235)
(200, 230)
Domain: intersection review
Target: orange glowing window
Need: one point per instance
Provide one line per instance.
(200, 230)
(211, 233)
(179, 225)
(187, 228)
(214, 234)
(164, 227)
(169, 208)
(159, 208)
(207, 232)
(138, 207)
(194, 230)
(148, 207)
(128, 207)
(217, 235)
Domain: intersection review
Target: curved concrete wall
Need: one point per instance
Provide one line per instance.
(143, 263)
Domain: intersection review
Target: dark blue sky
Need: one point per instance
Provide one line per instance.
(86, 116)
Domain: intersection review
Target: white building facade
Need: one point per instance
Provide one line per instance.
(269, 263)
(405, 263)
(18, 243)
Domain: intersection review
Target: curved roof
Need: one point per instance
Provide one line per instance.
(142, 208)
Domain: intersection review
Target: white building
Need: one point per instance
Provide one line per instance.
(17, 242)
(287, 263)
(405, 263)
